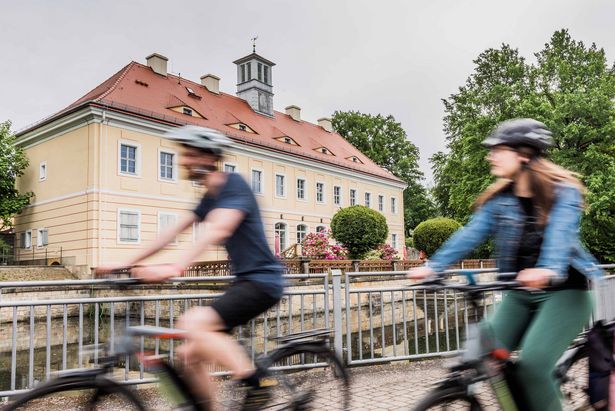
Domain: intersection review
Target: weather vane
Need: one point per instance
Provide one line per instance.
(254, 43)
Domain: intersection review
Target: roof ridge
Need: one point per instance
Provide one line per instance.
(125, 70)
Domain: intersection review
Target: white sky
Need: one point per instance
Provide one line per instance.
(398, 57)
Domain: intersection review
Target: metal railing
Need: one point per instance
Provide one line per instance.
(373, 321)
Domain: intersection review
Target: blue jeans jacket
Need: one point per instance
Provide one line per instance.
(503, 219)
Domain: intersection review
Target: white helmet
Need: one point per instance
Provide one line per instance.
(202, 138)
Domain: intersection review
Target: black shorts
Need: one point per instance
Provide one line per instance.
(241, 302)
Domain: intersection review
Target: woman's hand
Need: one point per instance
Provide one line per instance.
(157, 273)
(420, 273)
(535, 277)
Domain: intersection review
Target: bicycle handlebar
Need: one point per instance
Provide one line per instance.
(504, 281)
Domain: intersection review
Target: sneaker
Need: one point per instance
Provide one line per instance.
(256, 398)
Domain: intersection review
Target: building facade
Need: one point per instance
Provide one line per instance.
(106, 181)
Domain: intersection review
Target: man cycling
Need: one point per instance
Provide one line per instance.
(231, 217)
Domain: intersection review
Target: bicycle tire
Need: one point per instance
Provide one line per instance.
(575, 382)
(327, 388)
(446, 397)
(41, 398)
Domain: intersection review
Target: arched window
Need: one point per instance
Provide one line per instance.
(301, 232)
(280, 237)
(320, 228)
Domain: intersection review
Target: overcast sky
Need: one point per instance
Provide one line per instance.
(392, 57)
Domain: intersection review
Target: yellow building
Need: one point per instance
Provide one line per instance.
(106, 181)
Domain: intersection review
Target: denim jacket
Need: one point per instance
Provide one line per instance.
(502, 218)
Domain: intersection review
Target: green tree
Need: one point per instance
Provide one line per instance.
(360, 229)
(432, 233)
(571, 88)
(384, 141)
(13, 162)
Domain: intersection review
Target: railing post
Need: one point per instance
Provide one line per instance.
(336, 276)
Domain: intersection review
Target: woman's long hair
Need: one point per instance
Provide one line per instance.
(543, 176)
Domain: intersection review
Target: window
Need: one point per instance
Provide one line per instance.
(301, 232)
(167, 166)
(129, 222)
(259, 70)
(242, 127)
(248, 71)
(26, 239)
(380, 203)
(300, 189)
(368, 198)
(280, 190)
(42, 237)
(320, 192)
(243, 73)
(42, 171)
(288, 140)
(257, 177)
(266, 74)
(229, 168)
(337, 195)
(353, 197)
(393, 205)
(166, 220)
(129, 159)
(280, 237)
(394, 240)
(320, 228)
(187, 110)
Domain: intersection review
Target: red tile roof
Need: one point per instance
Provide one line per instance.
(136, 89)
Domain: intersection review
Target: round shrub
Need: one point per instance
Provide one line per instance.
(360, 229)
(431, 234)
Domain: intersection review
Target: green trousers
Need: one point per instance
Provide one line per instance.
(540, 326)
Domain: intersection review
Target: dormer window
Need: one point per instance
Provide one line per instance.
(324, 150)
(287, 140)
(187, 110)
(354, 159)
(242, 127)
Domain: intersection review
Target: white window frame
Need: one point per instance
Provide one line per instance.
(159, 226)
(39, 237)
(393, 205)
(307, 231)
(118, 228)
(324, 228)
(352, 200)
(394, 241)
(226, 163)
(304, 198)
(381, 203)
(261, 183)
(275, 185)
(367, 196)
(42, 171)
(27, 239)
(324, 191)
(173, 165)
(282, 246)
(136, 145)
(338, 197)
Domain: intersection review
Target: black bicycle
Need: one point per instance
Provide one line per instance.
(483, 362)
(325, 385)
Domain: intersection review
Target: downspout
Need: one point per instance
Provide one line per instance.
(100, 181)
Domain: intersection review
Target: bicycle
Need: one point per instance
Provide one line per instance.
(290, 390)
(482, 361)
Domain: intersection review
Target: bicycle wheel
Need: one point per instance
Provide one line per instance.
(76, 394)
(452, 398)
(310, 377)
(575, 383)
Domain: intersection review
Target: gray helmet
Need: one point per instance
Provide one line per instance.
(202, 138)
(521, 132)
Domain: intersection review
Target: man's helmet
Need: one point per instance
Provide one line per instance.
(521, 132)
(203, 138)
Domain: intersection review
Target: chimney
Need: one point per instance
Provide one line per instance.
(211, 82)
(158, 63)
(294, 112)
(326, 124)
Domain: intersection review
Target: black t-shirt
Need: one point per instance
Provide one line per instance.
(530, 243)
(250, 255)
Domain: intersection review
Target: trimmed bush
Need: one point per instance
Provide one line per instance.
(360, 229)
(432, 233)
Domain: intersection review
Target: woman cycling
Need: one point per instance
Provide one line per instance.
(532, 212)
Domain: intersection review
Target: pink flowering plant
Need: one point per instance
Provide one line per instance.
(383, 252)
(317, 246)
